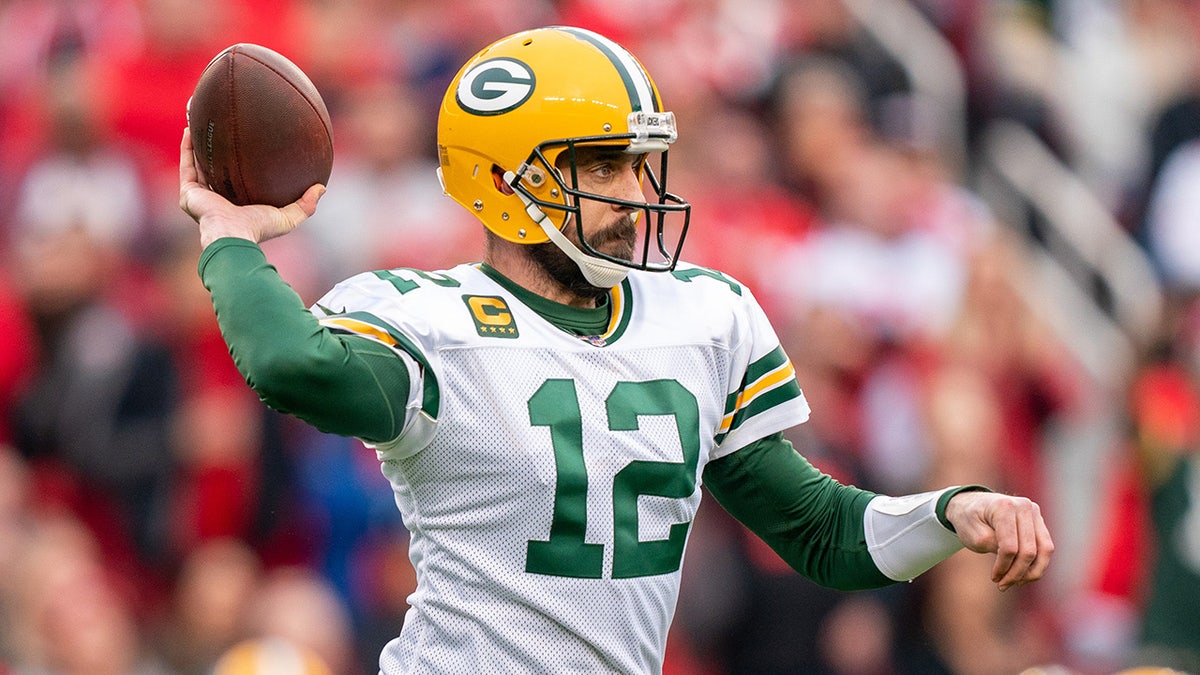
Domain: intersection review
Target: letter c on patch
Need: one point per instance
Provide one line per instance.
(490, 311)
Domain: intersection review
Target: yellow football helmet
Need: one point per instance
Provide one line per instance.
(518, 105)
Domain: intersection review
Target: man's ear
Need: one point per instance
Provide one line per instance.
(498, 178)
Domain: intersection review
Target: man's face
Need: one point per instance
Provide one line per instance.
(609, 228)
(610, 172)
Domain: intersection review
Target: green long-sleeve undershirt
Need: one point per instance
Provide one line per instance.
(338, 383)
(352, 386)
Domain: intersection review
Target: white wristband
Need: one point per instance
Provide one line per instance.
(904, 535)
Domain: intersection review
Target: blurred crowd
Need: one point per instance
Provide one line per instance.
(154, 515)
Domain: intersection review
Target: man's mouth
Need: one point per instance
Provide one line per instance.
(620, 239)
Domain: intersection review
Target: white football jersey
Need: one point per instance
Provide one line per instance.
(549, 480)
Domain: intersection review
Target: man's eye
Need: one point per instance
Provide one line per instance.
(603, 170)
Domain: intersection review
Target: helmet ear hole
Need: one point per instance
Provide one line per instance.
(498, 178)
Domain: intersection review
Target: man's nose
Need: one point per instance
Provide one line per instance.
(630, 188)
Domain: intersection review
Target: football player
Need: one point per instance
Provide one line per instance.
(547, 416)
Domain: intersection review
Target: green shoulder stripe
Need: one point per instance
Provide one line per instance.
(770, 381)
(763, 402)
(756, 370)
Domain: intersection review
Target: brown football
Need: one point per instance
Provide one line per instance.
(260, 130)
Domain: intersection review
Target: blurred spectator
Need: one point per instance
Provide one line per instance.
(81, 177)
(1172, 218)
(384, 207)
(726, 165)
(211, 597)
(95, 418)
(37, 39)
(299, 607)
(40, 34)
(17, 355)
(1165, 412)
(828, 30)
(892, 273)
(270, 656)
(69, 618)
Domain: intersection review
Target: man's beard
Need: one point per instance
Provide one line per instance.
(566, 272)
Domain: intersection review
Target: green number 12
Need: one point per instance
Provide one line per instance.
(566, 554)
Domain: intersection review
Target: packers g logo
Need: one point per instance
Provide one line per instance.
(492, 316)
(495, 86)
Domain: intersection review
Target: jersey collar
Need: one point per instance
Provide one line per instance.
(597, 325)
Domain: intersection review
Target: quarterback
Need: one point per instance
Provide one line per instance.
(547, 416)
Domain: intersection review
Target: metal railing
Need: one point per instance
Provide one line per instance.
(933, 69)
(1078, 231)
(1082, 244)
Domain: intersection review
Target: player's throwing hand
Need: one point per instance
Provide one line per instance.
(219, 218)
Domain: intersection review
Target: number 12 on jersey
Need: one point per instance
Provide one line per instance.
(566, 554)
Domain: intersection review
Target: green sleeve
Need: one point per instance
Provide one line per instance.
(338, 383)
(813, 522)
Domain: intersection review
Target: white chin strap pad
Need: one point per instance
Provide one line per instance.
(904, 535)
(598, 272)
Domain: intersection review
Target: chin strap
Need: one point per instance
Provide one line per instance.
(599, 273)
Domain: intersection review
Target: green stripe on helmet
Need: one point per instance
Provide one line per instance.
(623, 66)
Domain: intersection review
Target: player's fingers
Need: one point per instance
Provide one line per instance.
(1004, 525)
(308, 201)
(1045, 549)
(1026, 545)
(187, 164)
(299, 210)
(1006, 551)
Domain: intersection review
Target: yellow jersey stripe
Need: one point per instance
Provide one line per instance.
(361, 328)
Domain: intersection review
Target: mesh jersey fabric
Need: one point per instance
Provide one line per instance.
(547, 479)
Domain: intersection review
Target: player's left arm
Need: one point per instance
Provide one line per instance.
(814, 523)
(848, 538)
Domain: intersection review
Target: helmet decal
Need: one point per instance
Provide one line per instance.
(641, 94)
(495, 86)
